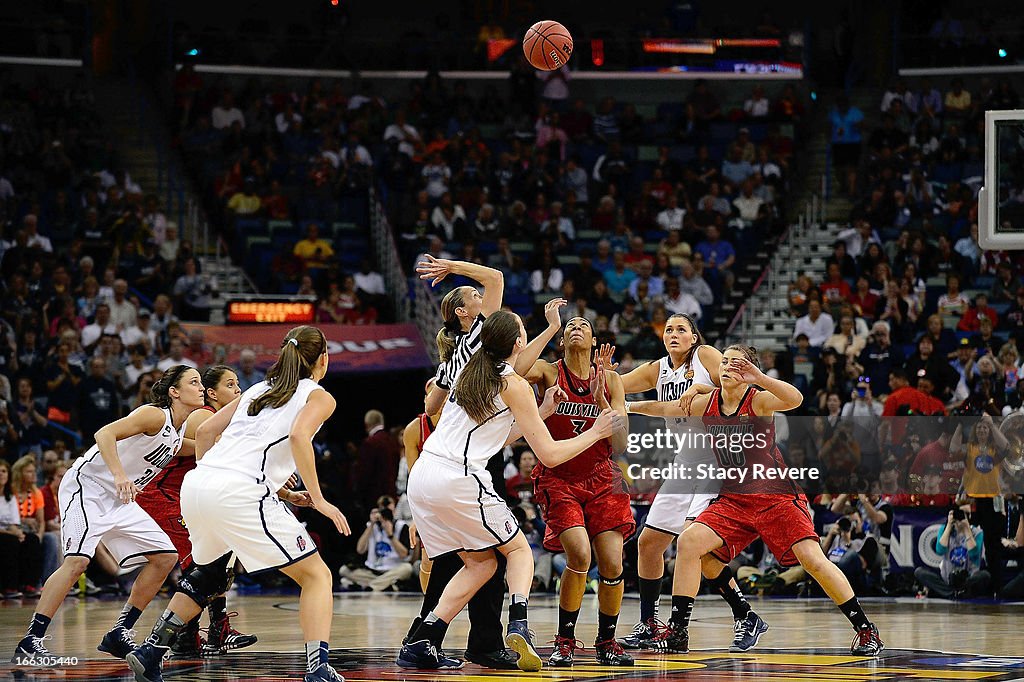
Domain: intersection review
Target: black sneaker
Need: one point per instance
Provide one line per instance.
(747, 632)
(119, 642)
(146, 662)
(188, 643)
(502, 659)
(641, 633)
(29, 648)
(519, 638)
(423, 655)
(610, 652)
(565, 648)
(222, 637)
(677, 639)
(867, 642)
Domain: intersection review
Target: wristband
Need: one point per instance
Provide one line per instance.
(628, 405)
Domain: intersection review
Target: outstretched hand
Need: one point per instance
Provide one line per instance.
(604, 357)
(551, 311)
(434, 269)
(552, 397)
(597, 384)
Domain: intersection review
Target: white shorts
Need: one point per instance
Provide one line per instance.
(231, 513)
(670, 510)
(455, 512)
(90, 514)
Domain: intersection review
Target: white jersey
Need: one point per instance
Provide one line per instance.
(465, 345)
(672, 383)
(141, 455)
(460, 439)
(258, 447)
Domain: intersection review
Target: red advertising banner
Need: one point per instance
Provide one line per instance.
(373, 348)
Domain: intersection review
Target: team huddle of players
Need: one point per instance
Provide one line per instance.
(484, 392)
(222, 476)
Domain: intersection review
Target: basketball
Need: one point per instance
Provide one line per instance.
(547, 45)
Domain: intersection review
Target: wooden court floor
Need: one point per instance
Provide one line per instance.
(807, 640)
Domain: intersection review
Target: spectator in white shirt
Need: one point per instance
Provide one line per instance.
(225, 114)
(747, 203)
(91, 333)
(858, 237)
(556, 85)
(677, 301)
(671, 218)
(122, 311)
(136, 367)
(816, 325)
(408, 137)
(287, 118)
(436, 176)
(33, 238)
(758, 106)
(175, 356)
(368, 281)
(448, 218)
(548, 277)
(142, 332)
(558, 226)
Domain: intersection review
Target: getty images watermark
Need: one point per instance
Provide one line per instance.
(714, 454)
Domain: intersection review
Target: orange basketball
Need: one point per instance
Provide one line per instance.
(547, 45)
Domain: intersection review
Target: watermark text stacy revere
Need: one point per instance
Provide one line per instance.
(710, 472)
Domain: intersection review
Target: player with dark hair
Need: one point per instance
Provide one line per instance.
(229, 503)
(162, 501)
(97, 497)
(739, 418)
(453, 500)
(689, 362)
(584, 502)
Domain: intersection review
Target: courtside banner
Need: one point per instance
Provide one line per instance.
(353, 349)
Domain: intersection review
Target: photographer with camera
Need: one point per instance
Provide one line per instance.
(959, 544)
(385, 542)
(847, 547)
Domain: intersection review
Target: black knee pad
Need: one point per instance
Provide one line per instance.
(611, 582)
(202, 583)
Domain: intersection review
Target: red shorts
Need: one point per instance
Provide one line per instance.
(780, 520)
(599, 504)
(167, 514)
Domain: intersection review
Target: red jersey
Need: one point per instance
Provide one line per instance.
(572, 417)
(165, 490)
(745, 441)
(426, 428)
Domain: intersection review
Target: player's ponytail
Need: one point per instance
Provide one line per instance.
(300, 350)
(449, 333)
(480, 380)
(160, 395)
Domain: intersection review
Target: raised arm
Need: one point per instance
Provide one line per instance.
(493, 281)
(711, 358)
(777, 396)
(533, 350)
(956, 443)
(520, 400)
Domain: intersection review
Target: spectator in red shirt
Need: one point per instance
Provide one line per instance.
(636, 253)
(275, 203)
(520, 486)
(936, 459)
(197, 350)
(971, 321)
(930, 495)
(834, 290)
(903, 401)
(862, 300)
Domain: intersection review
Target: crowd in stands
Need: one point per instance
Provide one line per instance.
(913, 319)
(559, 193)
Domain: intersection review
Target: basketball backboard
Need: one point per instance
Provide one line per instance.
(1001, 199)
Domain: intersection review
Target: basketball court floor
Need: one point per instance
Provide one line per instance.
(807, 640)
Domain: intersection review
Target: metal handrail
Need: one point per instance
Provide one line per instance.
(388, 261)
